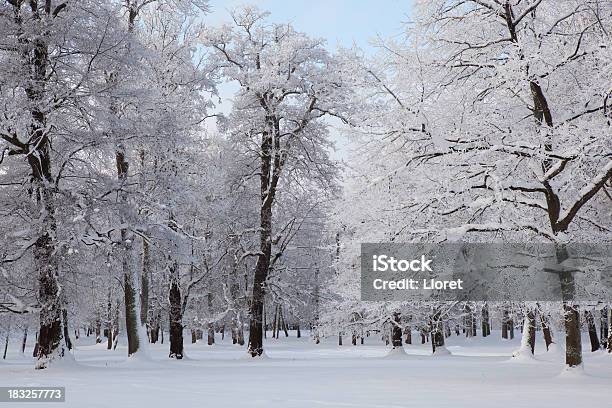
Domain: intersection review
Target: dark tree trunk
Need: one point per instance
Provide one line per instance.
(255, 347)
(284, 324)
(408, 335)
(603, 327)
(116, 325)
(211, 334)
(504, 325)
(66, 331)
(155, 326)
(275, 321)
(437, 334)
(194, 338)
(609, 329)
(573, 341)
(592, 330)
(530, 326)
(6, 343)
(175, 316)
(144, 283)
(546, 330)
(396, 330)
(35, 351)
(25, 339)
(98, 330)
(339, 339)
(469, 322)
(131, 311)
(299, 334)
(109, 322)
(316, 312)
(211, 327)
(109, 339)
(271, 167)
(486, 326)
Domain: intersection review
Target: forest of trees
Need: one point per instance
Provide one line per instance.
(131, 206)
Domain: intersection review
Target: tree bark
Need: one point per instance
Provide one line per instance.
(144, 283)
(130, 300)
(269, 177)
(603, 327)
(437, 333)
(98, 329)
(211, 327)
(529, 332)
(25, 339)
(486, 326)
(66, 330)
(175, 316)
(573, 340)
(109, 323)
(590, 319)
(396, 330)
(546, 332)
(504, 332)
(609, 329)
(8, 335)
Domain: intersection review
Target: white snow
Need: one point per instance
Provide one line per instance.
(298, 373)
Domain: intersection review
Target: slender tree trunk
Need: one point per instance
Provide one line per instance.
(396, 330)
(211, 327)
(437, 333)
(175, 316)
(283, 323)
(603, 327)
(109, 323)
(274, 322)
(116, 325)
(25, 339)
(590, 319)
(316, 313)
(66, 330)
(609, 329)
(470, 322)
(408, 334)
(98, 329)
(144, 283)
(546, 332)
(505, 319)
(8, 335)
(486, 325)
(35, 350)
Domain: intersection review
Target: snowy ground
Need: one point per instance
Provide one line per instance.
(298, 373)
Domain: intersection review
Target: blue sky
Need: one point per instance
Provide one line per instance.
(340, 22)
